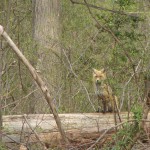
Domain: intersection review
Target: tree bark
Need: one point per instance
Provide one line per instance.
(46, 31)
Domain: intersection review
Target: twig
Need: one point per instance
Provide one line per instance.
(17, 101)
(120, 124)
(123, 93)
(7, 68)
(34, 131)
(79, 80)
(105, 134)
(146, 109)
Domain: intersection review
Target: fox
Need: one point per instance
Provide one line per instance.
(107, 102)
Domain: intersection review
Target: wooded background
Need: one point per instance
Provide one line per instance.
(64, 40)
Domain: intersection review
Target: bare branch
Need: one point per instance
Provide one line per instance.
(38, 80)
(105, 9)
(36, 134)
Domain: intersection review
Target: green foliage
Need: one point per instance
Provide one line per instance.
(90, 44)
(2, 147)
(125, 135)
(137, 113)
(88, 40)
(125, 3)
(16, 17)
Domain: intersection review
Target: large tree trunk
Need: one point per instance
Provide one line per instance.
(46, 34)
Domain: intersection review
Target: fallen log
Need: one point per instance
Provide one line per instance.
(42, 127)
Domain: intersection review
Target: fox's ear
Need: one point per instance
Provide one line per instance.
(103, 70)
(94, 70)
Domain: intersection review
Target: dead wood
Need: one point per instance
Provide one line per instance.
(43, 128)
(38, 80)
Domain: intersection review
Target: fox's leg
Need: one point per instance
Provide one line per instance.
(104, 106)
(111, 104)
(99, 105)
(110, 107)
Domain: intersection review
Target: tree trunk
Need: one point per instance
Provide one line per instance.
(46, 34)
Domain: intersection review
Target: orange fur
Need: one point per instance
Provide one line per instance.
(106, 100)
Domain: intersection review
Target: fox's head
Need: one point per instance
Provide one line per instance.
(99, 76)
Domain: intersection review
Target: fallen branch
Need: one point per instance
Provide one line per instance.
(38, 80)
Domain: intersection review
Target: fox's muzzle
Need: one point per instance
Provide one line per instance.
(98, 82)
